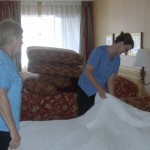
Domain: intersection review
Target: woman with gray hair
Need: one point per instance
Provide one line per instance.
(10, 84)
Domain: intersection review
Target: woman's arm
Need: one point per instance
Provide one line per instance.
(89, 73)
(5, 112)
(110, 84)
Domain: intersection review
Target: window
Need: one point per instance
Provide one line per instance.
(59, 28)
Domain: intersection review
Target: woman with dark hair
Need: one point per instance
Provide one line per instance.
(98, 76)
(10, 84)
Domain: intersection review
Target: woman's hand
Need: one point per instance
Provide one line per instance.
(102, 93)
(6, 113)
(15, 140)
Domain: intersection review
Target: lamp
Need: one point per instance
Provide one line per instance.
(142, 59)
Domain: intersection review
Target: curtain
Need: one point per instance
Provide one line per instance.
(58, 24)
(11, 9)
(86, 33)
(69, 15)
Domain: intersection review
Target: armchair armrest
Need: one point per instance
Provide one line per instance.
(142, 103)
(124, 88)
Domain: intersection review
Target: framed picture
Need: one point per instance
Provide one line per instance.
(137, 38)
(109, 39)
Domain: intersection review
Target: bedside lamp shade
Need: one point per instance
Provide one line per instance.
(142, 59)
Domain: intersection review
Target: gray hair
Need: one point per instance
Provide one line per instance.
(8, 29)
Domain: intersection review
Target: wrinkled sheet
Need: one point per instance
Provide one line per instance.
(110, 124)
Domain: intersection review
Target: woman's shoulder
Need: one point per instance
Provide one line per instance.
(100, 49)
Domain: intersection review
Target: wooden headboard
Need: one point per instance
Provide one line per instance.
(133, 74)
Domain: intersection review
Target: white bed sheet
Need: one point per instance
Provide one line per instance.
(110, 124)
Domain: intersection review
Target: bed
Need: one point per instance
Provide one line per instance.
(110, 124)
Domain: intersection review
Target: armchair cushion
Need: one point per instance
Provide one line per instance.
(54, 55)
(39, 87)
(54, 69)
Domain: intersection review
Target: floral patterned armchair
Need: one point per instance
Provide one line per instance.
(50, 90)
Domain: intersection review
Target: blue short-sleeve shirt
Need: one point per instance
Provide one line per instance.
(12, 82)
(104, 67)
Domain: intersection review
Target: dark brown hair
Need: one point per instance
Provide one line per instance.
(126, 38)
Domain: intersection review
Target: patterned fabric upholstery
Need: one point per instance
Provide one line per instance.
(54, 55)
(57, 81)
(63, 105)
(45, 81)
(124, 88)
(39, 87)
(54, 69)
(142, 103)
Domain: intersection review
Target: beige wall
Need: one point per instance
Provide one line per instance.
(114, 16)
